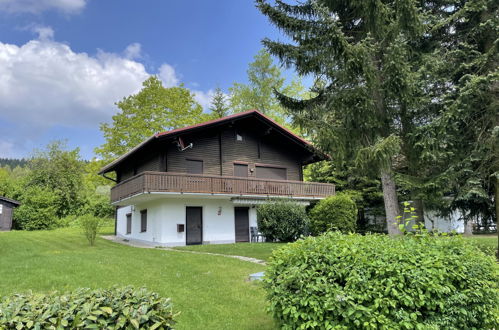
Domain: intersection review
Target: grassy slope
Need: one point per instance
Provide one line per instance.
(263, 251)
(210, 292)
(260, 251)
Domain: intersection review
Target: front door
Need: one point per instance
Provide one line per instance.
(194, 225)
(242, 224)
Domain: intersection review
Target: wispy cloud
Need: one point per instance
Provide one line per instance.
(38, 6)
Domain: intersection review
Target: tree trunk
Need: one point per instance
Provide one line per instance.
(392, 210)
(468, 228)
(419, 212)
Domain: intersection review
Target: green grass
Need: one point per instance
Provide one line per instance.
(211, 292)
(260, 251)
(486, 243)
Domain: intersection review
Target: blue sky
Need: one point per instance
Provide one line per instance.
(63, 63)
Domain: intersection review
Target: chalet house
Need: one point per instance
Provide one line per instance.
(201, 184)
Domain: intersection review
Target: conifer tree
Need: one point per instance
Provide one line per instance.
(366, 55)
(219, 104)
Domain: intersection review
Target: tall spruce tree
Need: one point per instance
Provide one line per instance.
(465, 136)
(366, 54)
(219, 104)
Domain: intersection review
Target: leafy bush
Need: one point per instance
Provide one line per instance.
(375, 281)
(90, 225)
(116, 308)
(282, 220)
(334, 213)
(37, 211)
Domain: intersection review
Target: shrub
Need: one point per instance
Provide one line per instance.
(90, 225)
(116, 308)
(37, 211)
(375, 281)
(282, 220)
(334, 213)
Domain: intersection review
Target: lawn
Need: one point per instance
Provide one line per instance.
(486, 243)
(211, 292)
(260, 251)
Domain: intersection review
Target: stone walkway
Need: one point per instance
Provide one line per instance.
(138, 244)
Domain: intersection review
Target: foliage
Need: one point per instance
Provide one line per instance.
(337, 212)
(365, 58)
(60, 171)
(38, 209)
(116, 308)
(13, 162)
(154, 109)
(361, 186)
(219, 104)
(263, 77)
(375, 281)
(90, 225)
(282, 220)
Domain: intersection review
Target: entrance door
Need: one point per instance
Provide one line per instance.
(194, 225)
(242, 224)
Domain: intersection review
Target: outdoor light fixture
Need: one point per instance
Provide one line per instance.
(219, 210)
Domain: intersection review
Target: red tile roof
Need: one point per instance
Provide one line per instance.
(255, 113)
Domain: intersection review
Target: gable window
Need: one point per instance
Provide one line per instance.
(143, 221)
(128, 223)
(194, 166)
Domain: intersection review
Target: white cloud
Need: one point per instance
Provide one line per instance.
(44, 32)
(168, 75)
(45, 83)
(204, 98)
(133, 51)
(38, 6)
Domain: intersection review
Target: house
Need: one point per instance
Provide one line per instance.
(200, 184)
(7, 206)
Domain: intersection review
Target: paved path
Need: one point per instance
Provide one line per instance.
(150, 246)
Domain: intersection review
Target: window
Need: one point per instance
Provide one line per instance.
(271, 172)
(128, 223)
(241, 170)
(239, 137)
(194, 166)
(143, 221)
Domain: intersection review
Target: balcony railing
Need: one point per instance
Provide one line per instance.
(194, 183)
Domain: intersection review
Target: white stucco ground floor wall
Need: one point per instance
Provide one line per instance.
(166, 213)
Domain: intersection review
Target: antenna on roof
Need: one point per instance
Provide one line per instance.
(181, 146)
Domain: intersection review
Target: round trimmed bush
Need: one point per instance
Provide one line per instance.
(378, 282)
(280, 220)
(337, 212)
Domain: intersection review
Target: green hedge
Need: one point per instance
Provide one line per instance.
(337, 212)
(116, 308)
(282, 220)
(378, 282)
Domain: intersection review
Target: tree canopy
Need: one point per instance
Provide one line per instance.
(153, 109)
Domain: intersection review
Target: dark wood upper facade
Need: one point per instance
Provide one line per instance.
(247, 145)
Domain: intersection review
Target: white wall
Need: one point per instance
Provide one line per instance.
(163, 215)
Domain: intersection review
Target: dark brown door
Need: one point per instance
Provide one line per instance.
(194, 225)
(242, 224)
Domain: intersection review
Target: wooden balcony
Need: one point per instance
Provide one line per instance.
(149, 182)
